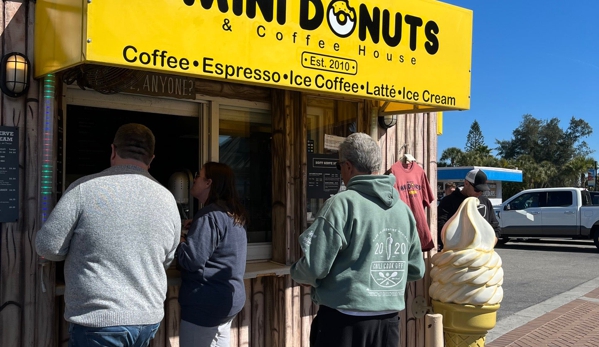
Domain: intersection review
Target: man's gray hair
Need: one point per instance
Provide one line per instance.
(362, 151)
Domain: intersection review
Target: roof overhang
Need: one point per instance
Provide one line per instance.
(458, 173)
(412, 56)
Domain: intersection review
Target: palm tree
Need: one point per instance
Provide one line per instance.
(535, 175)
(576, 169)
(453, 154)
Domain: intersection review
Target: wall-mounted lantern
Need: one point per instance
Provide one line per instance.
(387, 121)
(15, 71)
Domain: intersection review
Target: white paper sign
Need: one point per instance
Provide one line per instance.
(332, 142)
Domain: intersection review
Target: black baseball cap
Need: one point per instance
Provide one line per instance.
(478, 179)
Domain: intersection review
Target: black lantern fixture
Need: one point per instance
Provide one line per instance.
(15, 71)
(387, 121)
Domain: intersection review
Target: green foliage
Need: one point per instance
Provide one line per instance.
(546, 141)
(452, 156)
(476, 152)
(509, 189)
(548, 155)
(576, 170)
(475, 139)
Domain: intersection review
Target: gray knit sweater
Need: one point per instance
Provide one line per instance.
(117, 231)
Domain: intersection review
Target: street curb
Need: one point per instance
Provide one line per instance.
(522, 317)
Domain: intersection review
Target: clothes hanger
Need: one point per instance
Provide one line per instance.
(408, 158)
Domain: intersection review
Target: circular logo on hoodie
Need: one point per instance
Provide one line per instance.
(388, 270)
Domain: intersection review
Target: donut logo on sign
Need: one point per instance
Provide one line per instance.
(341, 18)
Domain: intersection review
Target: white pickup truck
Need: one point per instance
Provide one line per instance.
(549, 212)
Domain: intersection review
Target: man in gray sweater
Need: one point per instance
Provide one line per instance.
(117, 232)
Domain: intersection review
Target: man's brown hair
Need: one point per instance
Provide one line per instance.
(134, 141)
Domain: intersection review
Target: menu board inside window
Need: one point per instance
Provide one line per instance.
(328, 122)
(324, 180)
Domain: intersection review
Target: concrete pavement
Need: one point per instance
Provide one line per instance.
(568, 319)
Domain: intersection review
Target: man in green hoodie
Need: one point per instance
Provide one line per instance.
(359, 253)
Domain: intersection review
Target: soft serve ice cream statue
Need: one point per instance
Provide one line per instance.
(467, 277)
(468, 270)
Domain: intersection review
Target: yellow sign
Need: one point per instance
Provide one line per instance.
(414, 52)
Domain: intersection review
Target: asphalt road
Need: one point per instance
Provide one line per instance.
(537, 270)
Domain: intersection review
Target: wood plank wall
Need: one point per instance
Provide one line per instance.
(289, 196)
(414, 134)
(271, 316)
(18, 260)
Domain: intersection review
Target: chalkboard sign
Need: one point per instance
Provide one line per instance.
(324, 179)
(9, 174)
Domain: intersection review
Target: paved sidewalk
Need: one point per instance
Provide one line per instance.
(568, 319)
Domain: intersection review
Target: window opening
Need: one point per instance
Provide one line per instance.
(245, 145)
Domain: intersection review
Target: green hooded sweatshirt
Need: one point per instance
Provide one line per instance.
(362, 248)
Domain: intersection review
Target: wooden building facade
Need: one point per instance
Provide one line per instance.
(65, 123)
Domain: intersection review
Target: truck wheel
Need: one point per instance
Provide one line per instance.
(596, 238)
(503, 240)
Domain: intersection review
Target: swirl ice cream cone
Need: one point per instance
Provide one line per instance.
(466, 325)
(467, 278)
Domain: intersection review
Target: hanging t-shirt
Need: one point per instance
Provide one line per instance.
(415, 190)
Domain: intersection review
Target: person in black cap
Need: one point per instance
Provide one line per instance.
(475, 184)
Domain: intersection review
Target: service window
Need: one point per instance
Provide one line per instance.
(244, 143)
(90, 131)
(328, 123)
(188, 134)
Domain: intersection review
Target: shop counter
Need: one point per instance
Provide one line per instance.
(253, 269)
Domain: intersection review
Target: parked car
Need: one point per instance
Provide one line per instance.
(549, 212)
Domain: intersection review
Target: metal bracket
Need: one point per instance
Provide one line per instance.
(419, 307)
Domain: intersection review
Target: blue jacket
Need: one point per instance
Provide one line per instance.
(212, 262)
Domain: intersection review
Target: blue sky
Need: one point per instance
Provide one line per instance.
(529, 57)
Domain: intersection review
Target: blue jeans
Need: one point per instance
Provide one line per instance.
(117, 336)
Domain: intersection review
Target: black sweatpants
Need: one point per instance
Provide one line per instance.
(331, 328)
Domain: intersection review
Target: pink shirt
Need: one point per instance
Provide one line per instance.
(415, 190)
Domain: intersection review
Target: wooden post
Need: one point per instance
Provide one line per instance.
(257, 334)
(434, 330)
(18, 260)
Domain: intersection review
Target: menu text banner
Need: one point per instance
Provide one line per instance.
(416, 52)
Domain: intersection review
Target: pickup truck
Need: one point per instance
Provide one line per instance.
(549, 212)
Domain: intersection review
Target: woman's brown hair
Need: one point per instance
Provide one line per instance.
(223, 192)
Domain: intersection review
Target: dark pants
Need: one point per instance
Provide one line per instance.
(331, 328)
(116, 336)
